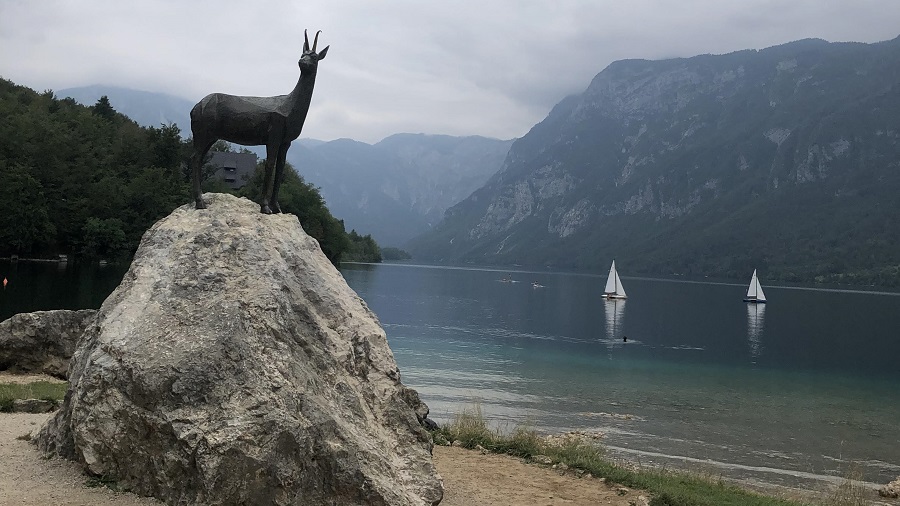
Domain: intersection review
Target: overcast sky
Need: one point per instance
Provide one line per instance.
(457, 67)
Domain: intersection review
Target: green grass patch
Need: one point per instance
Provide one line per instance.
(666, 488)
(37, 390)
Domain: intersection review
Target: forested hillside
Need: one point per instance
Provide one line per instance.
(88, 181)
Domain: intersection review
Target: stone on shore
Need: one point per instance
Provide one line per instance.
(891, 490)
(234, 365)
(33, 406)
(43, 341)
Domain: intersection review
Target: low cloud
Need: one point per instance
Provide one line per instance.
(460, 68)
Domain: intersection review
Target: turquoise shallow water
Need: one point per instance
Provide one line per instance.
(796, 392)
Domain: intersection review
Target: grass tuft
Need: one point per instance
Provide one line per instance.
(850, 492)
(103, 481)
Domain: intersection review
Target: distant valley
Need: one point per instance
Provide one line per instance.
(400, 187)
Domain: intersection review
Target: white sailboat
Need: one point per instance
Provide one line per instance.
(614, 289)
(755, 292)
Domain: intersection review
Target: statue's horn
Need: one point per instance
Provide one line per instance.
(316, 41)
(305, 42)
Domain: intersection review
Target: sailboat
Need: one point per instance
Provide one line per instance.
(614, 289)
(755, 292)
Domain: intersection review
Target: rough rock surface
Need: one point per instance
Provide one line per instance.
(891, 490)
(234, 365)
(33, 406)
(43, 341)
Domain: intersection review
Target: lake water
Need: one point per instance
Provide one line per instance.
(796, 392)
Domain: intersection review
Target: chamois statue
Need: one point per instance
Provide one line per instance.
(256, 121)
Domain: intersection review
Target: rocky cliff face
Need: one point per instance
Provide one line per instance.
(401, 186)
(705, 165)
(234, 365)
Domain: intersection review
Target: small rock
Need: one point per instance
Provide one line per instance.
(891, 490)
(33, 406)
(541, 459)
(481, 449)
(640, 501)
(457, 443)
(622, 491)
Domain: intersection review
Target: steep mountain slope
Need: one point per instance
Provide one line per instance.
(401, 186)
(145, 107)
(784, 159)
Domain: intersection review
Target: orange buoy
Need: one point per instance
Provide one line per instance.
(4, 283)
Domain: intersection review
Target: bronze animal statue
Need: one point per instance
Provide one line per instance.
(273, 122)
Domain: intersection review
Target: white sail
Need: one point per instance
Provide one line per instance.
(620, 290)
(614, 284)
(751, 290)
(759, 291)
(755, 291)
(611, 280)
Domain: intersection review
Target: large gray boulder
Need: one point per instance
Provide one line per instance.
(234, 365)
(43, 341)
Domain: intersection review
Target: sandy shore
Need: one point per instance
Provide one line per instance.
(470, 478)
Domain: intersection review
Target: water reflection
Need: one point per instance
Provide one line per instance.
(755, 319)
(615, 315)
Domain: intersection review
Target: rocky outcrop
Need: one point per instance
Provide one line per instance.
(234, 365)
(43, 341)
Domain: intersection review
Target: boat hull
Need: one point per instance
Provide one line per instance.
(755, 301)
(614, 296)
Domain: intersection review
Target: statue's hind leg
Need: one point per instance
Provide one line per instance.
(279, 177)
(201, 143)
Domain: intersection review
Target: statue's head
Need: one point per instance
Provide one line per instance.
(310, 58)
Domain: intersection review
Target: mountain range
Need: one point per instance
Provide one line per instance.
(783, 159)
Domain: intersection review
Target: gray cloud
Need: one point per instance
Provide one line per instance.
(465, 67)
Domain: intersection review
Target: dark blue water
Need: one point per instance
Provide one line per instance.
(41, 286)
(794, 392)
(800, 389)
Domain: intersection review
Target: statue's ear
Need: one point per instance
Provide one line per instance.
(323, 52)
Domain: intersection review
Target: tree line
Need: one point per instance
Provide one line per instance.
(88, 181)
